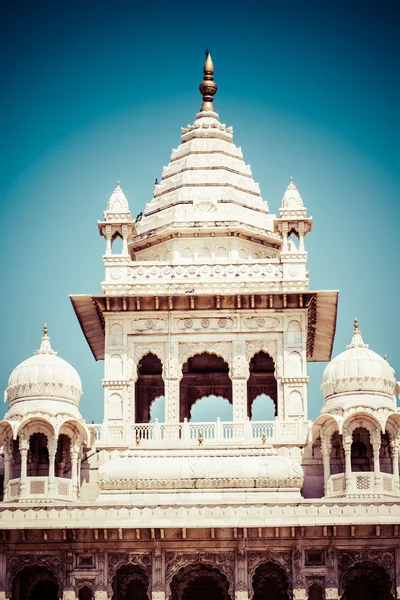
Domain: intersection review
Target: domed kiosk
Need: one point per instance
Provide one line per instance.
(43, 431)
(359, 425)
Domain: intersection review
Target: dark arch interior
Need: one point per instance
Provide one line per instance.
(366, 581)
(315, 592)
(85, 593)
(361, 451)
(261, 381)
(337, 454)
(63, 457)
(130, 582)
(148, 387)
(203, 375)
(270, 582)
(35, 583)
(38, 456)
(199, 582)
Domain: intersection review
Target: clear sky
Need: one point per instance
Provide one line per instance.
(97, 91)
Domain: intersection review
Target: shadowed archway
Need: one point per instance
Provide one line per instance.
(35, 582)
(366, 581)
(199, 582)
(270, 582)
(130, 582)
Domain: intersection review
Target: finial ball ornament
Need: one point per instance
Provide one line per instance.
(208, 88)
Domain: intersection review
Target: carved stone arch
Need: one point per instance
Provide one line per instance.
(75, 430)
(224, 562)
(283, 560)
(363, 420)
(221, 349)
(80, 583)
(372, 572)
(255, 346)
(140, 350)
(142, 561)
(18, 563)
(36, 424)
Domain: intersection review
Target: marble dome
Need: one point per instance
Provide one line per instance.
(358, 369)
(44, 375)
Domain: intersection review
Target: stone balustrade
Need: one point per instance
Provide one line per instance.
(362, 482)
(187, 434)
(36, 489)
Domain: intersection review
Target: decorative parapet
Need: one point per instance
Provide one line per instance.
(145, 277)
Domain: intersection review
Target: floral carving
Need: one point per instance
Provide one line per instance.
(240, 367)
(151, 348)
(256, 346)
(223, 349)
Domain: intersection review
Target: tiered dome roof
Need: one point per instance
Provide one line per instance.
(44, 375)
(358, 369)
(117, 207)
(206, 178)
(291, 201)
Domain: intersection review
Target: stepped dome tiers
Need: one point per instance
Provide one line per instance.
(117, 207)
(44, 376)
(358, 370)
(206, 184)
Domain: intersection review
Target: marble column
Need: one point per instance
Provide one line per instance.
(376, 446)
(348, 440)
(74, 471)
(239, 374)
(23, 448)
(52, 448)
(326, 457)
(8, 445)
(395, 463)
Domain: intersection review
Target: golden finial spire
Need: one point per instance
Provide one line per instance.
(45, 330)
(355, 324)
(208, 87)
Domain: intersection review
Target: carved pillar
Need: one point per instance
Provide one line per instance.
(326, 443)
(8, 447)
(23, 448)
(69, 595)
(239, 374)
(395, 463)
(74, 471)
(158, 584)
(52, 448)
(300, 594)
(241, 580)
(376, 445)
(348, 440)
(100, 595)
(172, 376)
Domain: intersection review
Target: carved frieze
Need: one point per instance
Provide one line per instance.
(223, 349)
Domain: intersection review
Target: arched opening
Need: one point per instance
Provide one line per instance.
(261, 382)
(35, 583)
(149, 385)
(203, 375)
(85, 593)
(15, 467)
(63, 457)
(316, 592)
(157, 409)
(366, 581)
(337, 460)
(263, 408)
(270, 582)
(38, 456)
(199, 582)
(385, 454)
(361, 451)
(116, 244)
(130, 581)
(210, 408)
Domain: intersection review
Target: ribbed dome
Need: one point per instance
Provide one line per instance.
(358, 369)
(44, 375)
(117, 207)
(292, 202)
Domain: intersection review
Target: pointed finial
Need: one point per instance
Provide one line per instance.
(208, 87)
(355, 324)
(357, 337)
(45, 346)
(45, 330)
(117, 183)
(291, 180)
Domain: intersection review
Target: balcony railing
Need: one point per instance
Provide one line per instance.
(36, 488)
(153, 435)
(362, 482)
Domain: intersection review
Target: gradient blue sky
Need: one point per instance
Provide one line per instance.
(97, 91)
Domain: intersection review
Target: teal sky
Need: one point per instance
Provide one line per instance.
(97, 91)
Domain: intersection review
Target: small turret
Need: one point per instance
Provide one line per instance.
(117, 221)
